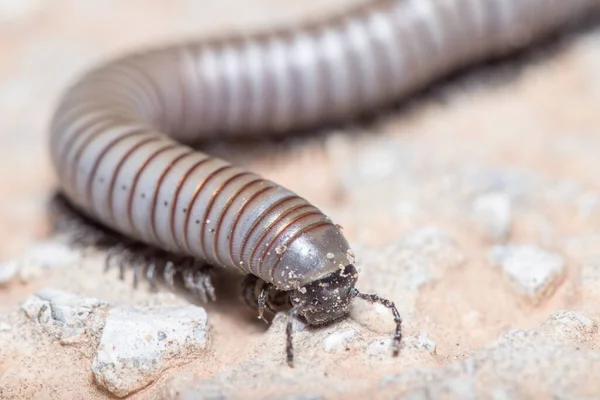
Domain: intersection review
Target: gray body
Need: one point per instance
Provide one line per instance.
(118, 138)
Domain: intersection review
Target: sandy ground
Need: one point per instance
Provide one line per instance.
(474, 207)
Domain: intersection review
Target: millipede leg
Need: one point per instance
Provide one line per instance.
(262, 301)
(169, 274)
(204, 279)
(125, 257)
(190, 283)
(137, 266)
(151, 275)
(249, 290)
(197, 278)
(289, 346)
(112, 252)
(262, 296)
(373, 298)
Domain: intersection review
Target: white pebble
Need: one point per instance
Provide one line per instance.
(426, 343)
(8, 270)
(492, 213)
(338, 339)
(532, 270)
(67, 316)
(138, 345)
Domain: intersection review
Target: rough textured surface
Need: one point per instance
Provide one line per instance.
(66, 316)
(137, 345)
(557, 359)
(501, 156)
(549, 361)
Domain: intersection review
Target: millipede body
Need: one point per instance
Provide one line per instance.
(120, 138)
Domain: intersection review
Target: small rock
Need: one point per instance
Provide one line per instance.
(378, 161)
(492, 213)
(8, 270)
(532, 271)
(426, 343)
(36, 309)
(338, 339)
(137, 345)
(68, 316)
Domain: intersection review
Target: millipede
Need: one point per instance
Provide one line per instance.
(121, 137)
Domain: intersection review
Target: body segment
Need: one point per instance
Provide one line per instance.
(118, 138)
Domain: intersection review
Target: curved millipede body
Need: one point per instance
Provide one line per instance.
(118, 138)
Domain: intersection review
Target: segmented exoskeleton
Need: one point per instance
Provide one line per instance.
(118, 138)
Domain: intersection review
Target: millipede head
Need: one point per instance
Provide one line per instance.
(329, 298)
